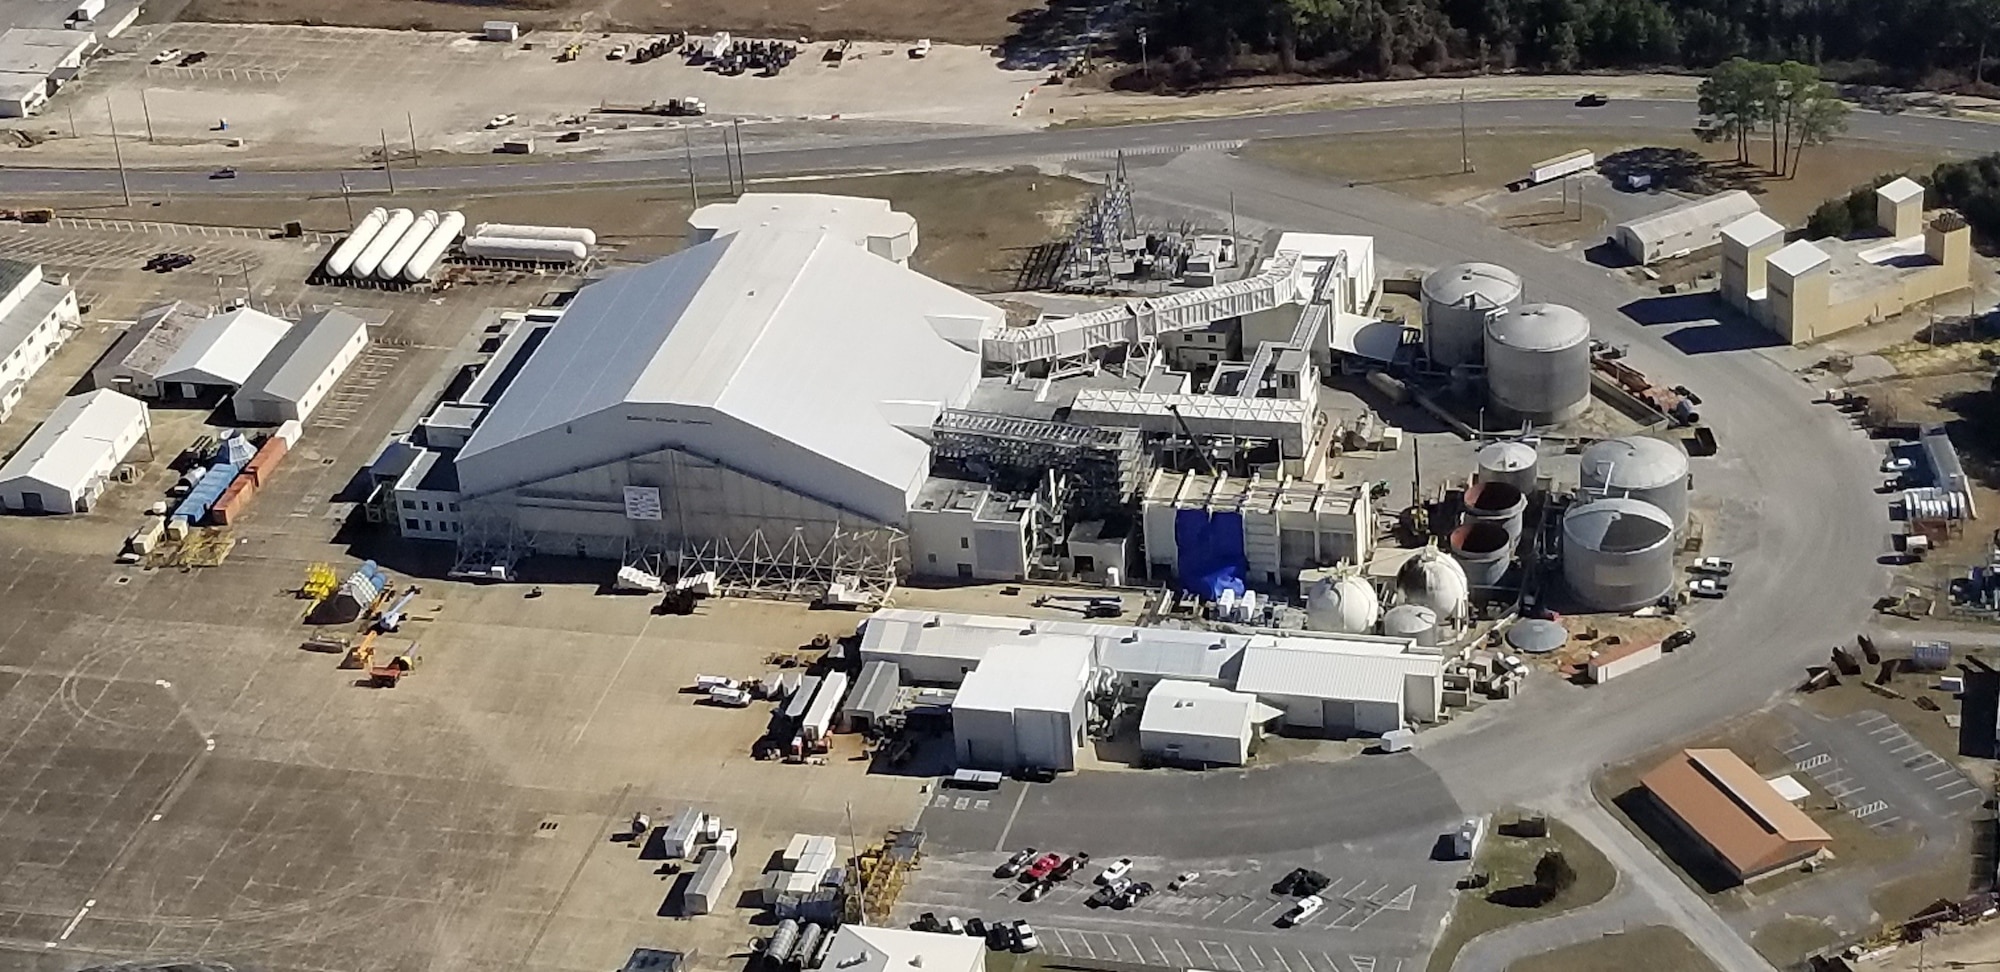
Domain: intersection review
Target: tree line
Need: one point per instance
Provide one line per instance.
(1972, 187)
(1902, 40)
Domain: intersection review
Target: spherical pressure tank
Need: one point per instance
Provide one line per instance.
(1514, 463)
(1345, 604)
(514, 231)
(1483, 550)
(1458, 301)
(1435, 581)
(1641, 467)
(526, 251)
(1500, 504)
(378, 248)
(1618, 553)
(1538, 363)
(364, 233)
(1413, 621)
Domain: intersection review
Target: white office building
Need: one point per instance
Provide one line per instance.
(1192, 723)
(65, 465)
(36, 314)
(1024, 707)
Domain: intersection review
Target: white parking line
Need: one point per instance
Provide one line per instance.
(1163, 952)
(1186, 959)
(1232, 956)
(1247, 905)
(1305, 962)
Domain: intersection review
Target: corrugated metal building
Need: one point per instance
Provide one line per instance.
(301, 368)
(1023, 708)
(1690, 226)
(876, 694)
(1193, 723)
(65, 464)
(1723, 803)
(1340, 692)
(219, 355)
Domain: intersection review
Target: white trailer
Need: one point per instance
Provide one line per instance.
(413, 238)
(502, 30)
(825, 705)
(679, 838)
(350, 249)
(87, 11)
(427, 256)
(711, 878)
(399, 223)
(1562, 165)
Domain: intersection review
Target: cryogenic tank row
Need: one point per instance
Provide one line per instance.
(513, 231)
(395, 245)
(515, 249)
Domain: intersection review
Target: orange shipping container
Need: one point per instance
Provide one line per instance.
(265, 462)
(234, 500)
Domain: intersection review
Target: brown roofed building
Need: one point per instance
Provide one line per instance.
(1734, 812)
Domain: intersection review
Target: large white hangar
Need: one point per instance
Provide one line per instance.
(765, 389)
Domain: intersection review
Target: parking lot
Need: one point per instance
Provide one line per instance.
(1878, 773)
(1368, 824)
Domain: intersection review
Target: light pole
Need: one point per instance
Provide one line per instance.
(1144, 64)
(146, 110)
(1464, 144)
(118, 154)
(687, 152)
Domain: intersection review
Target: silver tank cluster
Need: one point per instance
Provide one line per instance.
(1458, 301)
(1638, 467)
(1538, 363)
(1618, 553)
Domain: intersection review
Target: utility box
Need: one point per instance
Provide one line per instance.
(518, 145)
(681, 836)
(502, 30)
(710, 882)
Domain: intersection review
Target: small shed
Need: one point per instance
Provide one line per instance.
(1196, 724)
(1618, 660)
(1690, 226)
(502, 30)
(710, 882)
(875, 696)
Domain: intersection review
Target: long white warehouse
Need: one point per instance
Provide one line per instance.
(65, 464)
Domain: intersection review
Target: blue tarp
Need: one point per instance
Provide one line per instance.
(207, 490)
(1211, 552)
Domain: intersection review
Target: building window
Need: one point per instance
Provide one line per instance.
(409, 522)
(427, 526)
(454, 526)
(454, 507)
(965, 571)
(409, 504)
(1212, 338)
(933, 558)
(964, 543)
(424, 505)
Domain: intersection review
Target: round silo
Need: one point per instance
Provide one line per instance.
(1538, 363)
(1536, 636)
(1511, 462)
(1618, 553)
(1641, 467)
(1413, 621)
(1498, 503)
(1435, 581)
(1345, 604)
(1483, 550)
(1458, 301)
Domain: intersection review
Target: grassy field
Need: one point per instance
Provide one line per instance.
(1511, 862)
(974, 228)
(1790, 940)
(956, 21)
(1654, 948)
(1426, 165)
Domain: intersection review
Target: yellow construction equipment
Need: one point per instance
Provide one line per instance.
(570, 52)
(878, 875)
(362, 655)
(320, 583)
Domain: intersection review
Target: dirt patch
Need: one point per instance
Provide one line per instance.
(1653, 948)
(1551, 222)
(955, 21)
(1511, 863)
(1427, 165)
(975, 228)
(1788, 940)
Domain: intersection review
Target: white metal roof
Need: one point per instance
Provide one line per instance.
(856, 219)
(1752, 229)
(1195, 709)
(1331, 672)
(797, 335)
(1798, 257)
(1042, 676)
(225, 349)
(73, 444)
(863, 948)
(1716, 210)
(302, 356)
(1368, 337)
(1315, 249)
(1902, 190)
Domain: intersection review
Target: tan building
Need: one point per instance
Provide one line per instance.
(1735, 814)
(1805, 291)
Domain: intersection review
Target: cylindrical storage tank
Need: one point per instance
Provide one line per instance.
(1511, 462)
(809, 939)
(1641, 467)
(1435, 581)
(349, 249)
(1538, 363)
(783, 940)
(1536, 636)
(378, 248)
(526, 251)
(413, 238)
(1345, 604)
(1458, 301)
(516, 231)
(1484, 551)
(1618, 553)
(427, 256)
(1500, 504)
(1413, 621)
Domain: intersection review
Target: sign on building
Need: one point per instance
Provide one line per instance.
(642, 502)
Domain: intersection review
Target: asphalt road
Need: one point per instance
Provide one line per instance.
(936, 150)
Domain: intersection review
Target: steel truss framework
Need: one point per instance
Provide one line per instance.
(865, 562)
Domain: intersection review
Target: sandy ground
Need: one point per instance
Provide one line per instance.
(1964, 948)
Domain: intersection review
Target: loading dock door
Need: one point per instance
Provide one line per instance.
(1338, 716)
(32, 502)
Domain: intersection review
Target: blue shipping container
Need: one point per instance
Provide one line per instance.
(207, 491)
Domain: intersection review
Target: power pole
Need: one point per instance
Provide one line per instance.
(72, 121)
(687, 152)
(728, 163)
(742, 177)
(348, 199)
(1464, 143)
(416, 157)
(118, 154)
(388, 166)
(1232, 217)
(147, 111)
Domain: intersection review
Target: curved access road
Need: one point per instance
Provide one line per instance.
(954, 148)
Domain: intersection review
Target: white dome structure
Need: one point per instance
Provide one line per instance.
(1435, 581)
(1343, 604)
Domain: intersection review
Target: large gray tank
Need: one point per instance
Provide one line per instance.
(1484, 550)
(1413, 621)
(1641, 467)
(1538, 363)
(1497, 503)
(1618, 553)
(1512, 462)
(1458, 301)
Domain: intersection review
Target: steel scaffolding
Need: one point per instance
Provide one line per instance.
(864, 562)
(1104, 467)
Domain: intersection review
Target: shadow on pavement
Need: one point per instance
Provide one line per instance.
(1680, 849)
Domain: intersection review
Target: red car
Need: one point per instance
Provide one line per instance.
(1041, 868)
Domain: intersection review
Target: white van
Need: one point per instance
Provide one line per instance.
(1307, 907)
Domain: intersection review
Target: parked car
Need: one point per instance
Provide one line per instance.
(170, 54)
(1131, 895)
(1898, 464)
(999, 936)
(1069, 867)
(1301, 881)
(1679, 639)
(1709, 587)
(501, 120)
(1718, 566)
(954, 925)
(1307, 907)
(1042, 867)
(1185, 878)
(1013, 865)
(1592, 100)
(928, 922)
(1036, 890)
(1025, 939)
(1108, 893)
(976, 927)
(1036, 774)
(922, 48)
(194, 58)
(618, 53)
(1118, 869)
